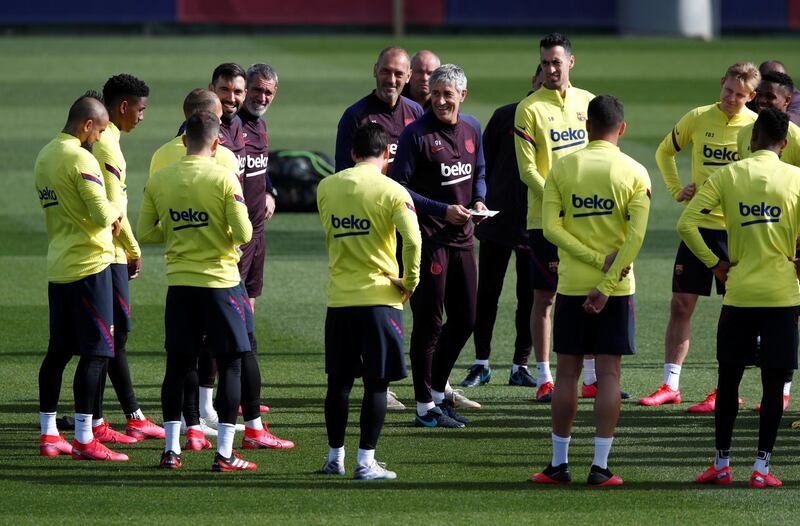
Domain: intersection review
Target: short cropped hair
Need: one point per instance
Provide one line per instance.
(771, 65)
(228, 70)
(90, 105)
(201, 129)
(122, 87)
(199, 99)
(556, 39)
(746, 73)
(370, 140)
(385, 51)
(449, 74)
(781, 79)
(264, 71)
(772, 126)
(605, 113)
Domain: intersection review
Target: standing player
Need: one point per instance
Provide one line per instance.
(195, 207)
(440, 160)
(499, 237)
(228, 82)
(360, 210)
(385, 105)
(80, 249)
(262, 87)
(548, 124)
(422, 65)
(596, 205)
(711, 130)
(760, 200)
(125, 98)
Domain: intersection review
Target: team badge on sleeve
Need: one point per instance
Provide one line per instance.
(581, 116)
(469, 145)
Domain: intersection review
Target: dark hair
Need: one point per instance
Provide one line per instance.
(370, 140)
(201, 128)
(228, 70)
(781, 79)
(770, 65)
(556, 39)
(606, 113)
(86, 107)
(771, 126)
(123, 86)
(538, 70)
(199, 99)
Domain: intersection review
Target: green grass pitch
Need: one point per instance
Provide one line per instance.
(477, 475)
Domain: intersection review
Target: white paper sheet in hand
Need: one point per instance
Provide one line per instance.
(484, 213)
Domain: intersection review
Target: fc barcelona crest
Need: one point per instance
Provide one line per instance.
(582, 116)
(469, 145)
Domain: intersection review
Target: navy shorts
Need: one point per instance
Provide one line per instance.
(195, 313)
(576, 332)
(122, 298)
(365, 341)
(692, 276)
(762, 336)
(82, 316)
(251, 265)
(544, 267)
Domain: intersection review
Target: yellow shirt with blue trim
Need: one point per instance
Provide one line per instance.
(790, 153)
(760, 199)
(547, 127)
(174, 150)
(713, 137)
(195, 207)
(109, 156)
(596, 202)
(360, 209)
(77, 213)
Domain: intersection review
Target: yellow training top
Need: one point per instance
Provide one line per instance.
(76, 210)
(759, 199)
(196, 208)
(547, 127)
(713, 139)
(175, 150)
(360, 209)
(596, 202)
(790, 154)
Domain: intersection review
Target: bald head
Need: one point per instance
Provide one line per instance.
(423, 63)
(87, 119)
(391, 72)
(201, 99)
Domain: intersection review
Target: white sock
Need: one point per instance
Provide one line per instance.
(225, 435)
(336, 454)
(83, 428)
(136, 415)
(207, 403)
(762, 462)
(602, 447)
(47, 424)
(254, 424)
(787, 388)
(543, 373)
(438, 397)
(722, 458)
(672, 375)
(560, 449)
(172, 440)
(365, 457)
(484, 363)
(424, 407)
(589, 376)
(97, 422)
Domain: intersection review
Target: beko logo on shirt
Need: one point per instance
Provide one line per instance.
(259, 161)
(356, 225)
(767, 213)
(719, 156)
(195, 218)
(572, 136)
(600, 206)
(48, 194)
(462, 171)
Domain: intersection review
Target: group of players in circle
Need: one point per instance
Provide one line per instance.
(575, 236)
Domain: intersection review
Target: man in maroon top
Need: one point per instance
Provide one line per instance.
(385, 105)
(228, 82)
(440, 161)
(423, 63)
(262, 86)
